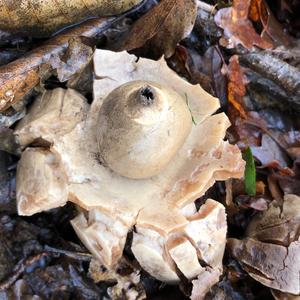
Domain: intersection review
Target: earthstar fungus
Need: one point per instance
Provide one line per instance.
(133, 159)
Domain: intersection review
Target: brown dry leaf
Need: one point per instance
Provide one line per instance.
(238, 28)
(259, 202)
(160, 29)
(205, 70)
(236, 85)
(44, 17)
(290, 183)
(270, 252)
(270, 152)
(66, 54)
(273, 265)
(273, 31)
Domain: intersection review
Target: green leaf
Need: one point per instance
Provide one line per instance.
(250, 173)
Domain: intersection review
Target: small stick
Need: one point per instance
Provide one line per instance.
(74, 255)
(21, 266)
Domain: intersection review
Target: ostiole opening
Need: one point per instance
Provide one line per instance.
(147, 95)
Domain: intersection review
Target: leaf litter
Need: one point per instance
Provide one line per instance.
(254, 44)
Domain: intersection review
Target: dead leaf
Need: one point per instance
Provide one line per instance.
(241, 131)
(269, 151)
(201, 69)
(274, 189)
(236, 85)
(188, 63)
(160, 29)
(257, 11)
(40, 18)
(273, 265)
(290, 183)
(238, 28)
(273, 30)
(256, 202)
(270, 252)
(63, 53)
(77, 56)
(290, 140)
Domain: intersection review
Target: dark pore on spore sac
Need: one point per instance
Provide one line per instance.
(147, 95)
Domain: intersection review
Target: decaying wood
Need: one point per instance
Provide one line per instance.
(265, 93)
(275, 69)
(272, 81)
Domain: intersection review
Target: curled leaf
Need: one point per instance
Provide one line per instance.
(238, 28)
(160, 29)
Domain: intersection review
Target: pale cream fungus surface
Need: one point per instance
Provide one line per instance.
(170, 235)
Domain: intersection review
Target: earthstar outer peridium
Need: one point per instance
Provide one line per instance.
(133, 160)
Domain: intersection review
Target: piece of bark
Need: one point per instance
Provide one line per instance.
(265, 93)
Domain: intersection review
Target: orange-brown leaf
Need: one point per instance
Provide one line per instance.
(236, 85)
(258, 11)
(238, 28)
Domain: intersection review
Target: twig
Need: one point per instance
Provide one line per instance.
(207, 7)
(21, 266)
(277, 70)
(74, 255)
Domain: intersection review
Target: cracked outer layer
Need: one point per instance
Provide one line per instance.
(170, 236)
